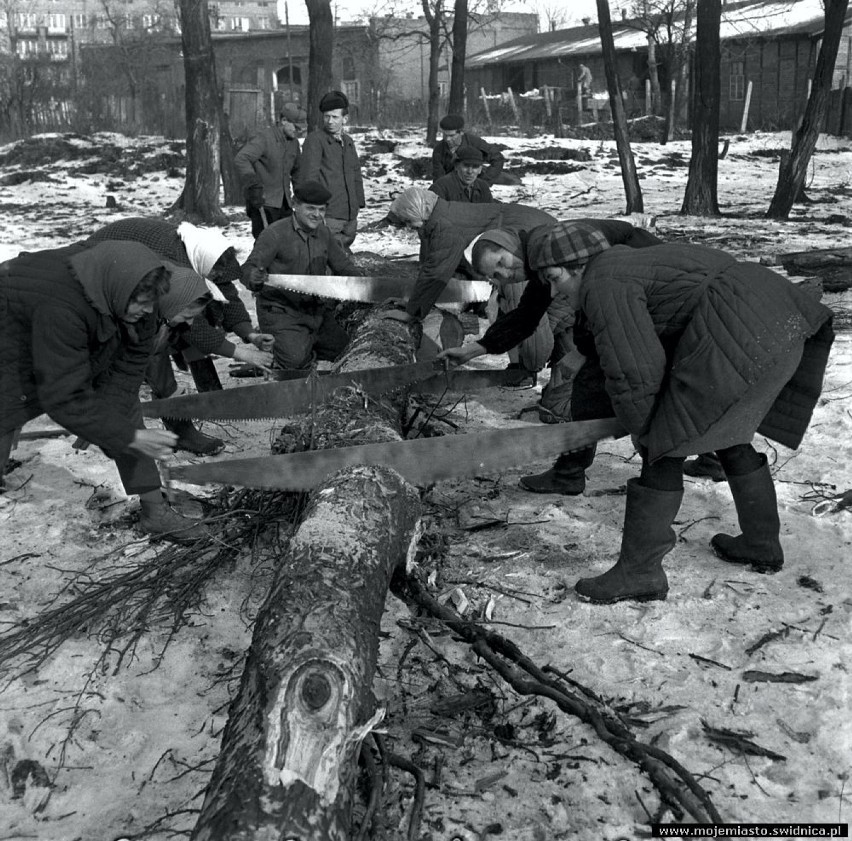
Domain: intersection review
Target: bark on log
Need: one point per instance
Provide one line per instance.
(289, 751)
(832, 265)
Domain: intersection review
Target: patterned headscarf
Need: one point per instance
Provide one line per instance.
(414, 204)
(186, 286)
(565, 244)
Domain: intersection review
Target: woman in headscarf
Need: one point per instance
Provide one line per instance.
(698, 351)
(78, 325)
(207, 252)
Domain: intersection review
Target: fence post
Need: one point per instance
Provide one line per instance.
(485, 106)
(547, 107)
(648, 108)
(747, 105)
(579, 103)
(514, 105)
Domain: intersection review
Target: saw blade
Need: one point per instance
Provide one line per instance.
(422, 461)
(295, 396)
(375, 290)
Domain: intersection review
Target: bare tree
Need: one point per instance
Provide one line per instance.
(200, 197)
(700, 198)
(619, 120)
(794, 167)
(433, 15)
(319, 60)
(554, 15)
(456, 103)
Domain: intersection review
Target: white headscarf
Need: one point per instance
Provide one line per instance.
(414, 204)
(204, 246)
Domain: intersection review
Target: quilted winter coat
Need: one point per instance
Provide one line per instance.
(686, 333)
(450, 228)
(64, 351)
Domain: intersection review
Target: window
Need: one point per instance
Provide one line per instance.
(78, 21)
(27, 47)
(27, 20)
(56, 23)
(57, 48)
(263, 23)
(352, 90)
(736, 85)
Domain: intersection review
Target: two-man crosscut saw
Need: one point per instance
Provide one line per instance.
(375, 290)
(292, 397)
(422, 461)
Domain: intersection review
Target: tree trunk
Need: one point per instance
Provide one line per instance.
(319, 60)
(700, 197)
(653, 75)
(456, 104)
(433, 19)
(619, 120)
(200, 198)
(679, 72)
(289, 753)
(792, 173)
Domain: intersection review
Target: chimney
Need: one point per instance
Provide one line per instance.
(586, 21)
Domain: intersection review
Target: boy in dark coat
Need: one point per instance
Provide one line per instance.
(303, 326)
(268, 164)
(464, 183)
(446, 150)
(698, 352)
(329, 157)
(78, 326)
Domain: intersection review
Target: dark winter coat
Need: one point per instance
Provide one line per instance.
(452, 227)
(270, 160)
(444, 158)
(208, 332)
(451, 188)
(684, 332)
(284, 248)
(64, 350)
(334, 163)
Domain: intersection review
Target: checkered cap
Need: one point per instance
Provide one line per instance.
(565, 244)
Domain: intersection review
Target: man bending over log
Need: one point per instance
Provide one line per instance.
(698, 352)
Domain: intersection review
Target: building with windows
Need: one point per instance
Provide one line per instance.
(769, 47)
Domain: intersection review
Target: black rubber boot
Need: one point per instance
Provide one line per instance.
(192, 440)
(705, 466)
(566, 477)
(205, 375)
(757, 511)
(159, 520)
(647, 538)
(523, 377)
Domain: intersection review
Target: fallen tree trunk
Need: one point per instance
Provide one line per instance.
(289, 752)
(832, 265)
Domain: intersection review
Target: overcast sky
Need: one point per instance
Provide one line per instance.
(353, 9)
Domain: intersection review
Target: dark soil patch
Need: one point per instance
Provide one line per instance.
(22, 176)
(775, 154)
(556, 153)
(417, 168)
(547, 168)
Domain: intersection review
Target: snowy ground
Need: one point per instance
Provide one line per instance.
(128, 747)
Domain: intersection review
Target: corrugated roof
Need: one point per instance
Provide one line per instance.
(770, 18)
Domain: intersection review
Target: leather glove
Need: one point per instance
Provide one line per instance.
(254, 196)
(254, 277)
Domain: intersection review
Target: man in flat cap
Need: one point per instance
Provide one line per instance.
(446, 151)
(464, 183)
(268, 164)
(329, 157)
(303, 325)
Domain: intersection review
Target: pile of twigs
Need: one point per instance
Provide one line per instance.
(120, 601)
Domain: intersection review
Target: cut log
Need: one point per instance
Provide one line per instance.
(289, 752)
(832, 265)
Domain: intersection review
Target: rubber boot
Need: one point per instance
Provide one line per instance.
(191, 439)
(160, 520)
(757, 512)
(705, 466)
(520, 376)
(647, 538)
(566, 477)
(204, 374)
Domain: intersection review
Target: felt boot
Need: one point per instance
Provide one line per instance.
(566, 477)
(647, 537)
(757, 512)
(161, 521)
(192, 440)
(705, 466)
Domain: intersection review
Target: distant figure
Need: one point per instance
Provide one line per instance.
(329, 157)
(445, 153)
(585, 80)
(267, 164)
(464, 183)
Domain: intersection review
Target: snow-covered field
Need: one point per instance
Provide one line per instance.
(127, 747)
